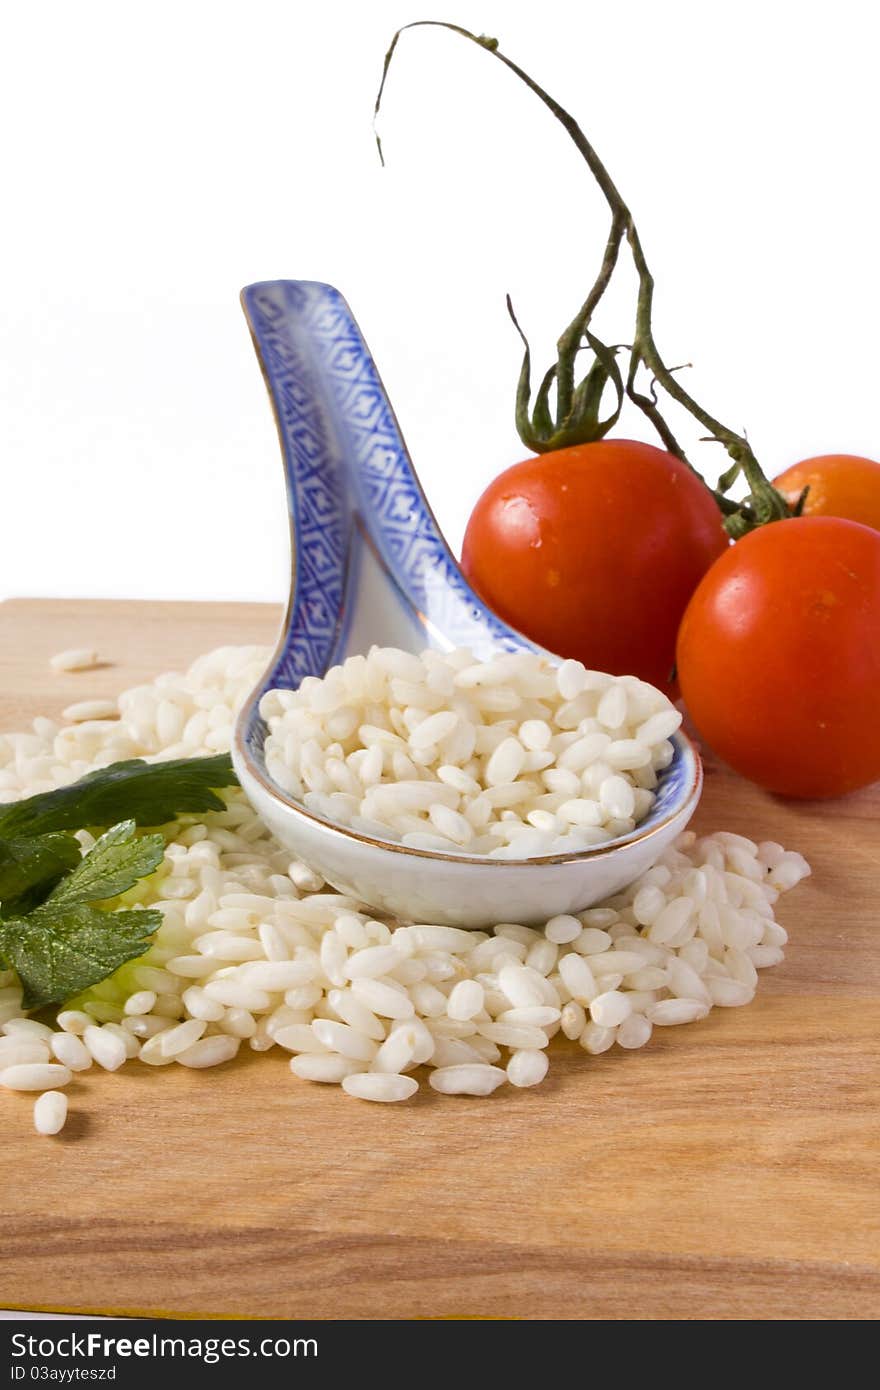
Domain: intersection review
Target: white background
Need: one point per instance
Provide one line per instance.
(157, 157)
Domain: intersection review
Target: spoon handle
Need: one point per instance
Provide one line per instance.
(351, 487)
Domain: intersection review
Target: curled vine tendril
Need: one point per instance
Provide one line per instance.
(576, 418)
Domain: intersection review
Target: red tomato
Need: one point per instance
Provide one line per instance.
(594, 551)
(840, 485)
(779, 656)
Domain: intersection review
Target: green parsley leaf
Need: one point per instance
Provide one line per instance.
(112, 865)
(29, 863)
(62, 943)
(59, 950)
(147, 793)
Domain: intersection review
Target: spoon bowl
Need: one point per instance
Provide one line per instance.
(370, 566)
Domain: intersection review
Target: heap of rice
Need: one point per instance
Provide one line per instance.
(509, 758)
(255, 950)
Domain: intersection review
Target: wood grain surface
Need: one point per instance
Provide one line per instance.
(729, 1170)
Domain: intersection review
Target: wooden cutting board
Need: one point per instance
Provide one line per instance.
(728, 1170)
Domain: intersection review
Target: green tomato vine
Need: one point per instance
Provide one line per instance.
(575, 416)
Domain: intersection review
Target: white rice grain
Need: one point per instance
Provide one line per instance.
(465, 1000)
(74, 1021)
(527, 1068)
(563, 929)
(673, 1011)
(380, 1086)
(596, 1038)
(372, 962)
(27, 1028)
(173, 1041)
(20, 1050)
(396, 1053)
(74, 659)
(108, 1050)
(341, 1037)
(610, 1008)
(729, 994)
(209, 1052)
(328, 1067)
(50, 1112)
(71, 1052)
(90, 709)
(475, 1079)
(634, 1031)
(36, 1076)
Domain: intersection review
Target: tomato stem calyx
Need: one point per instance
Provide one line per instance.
(577, 419)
